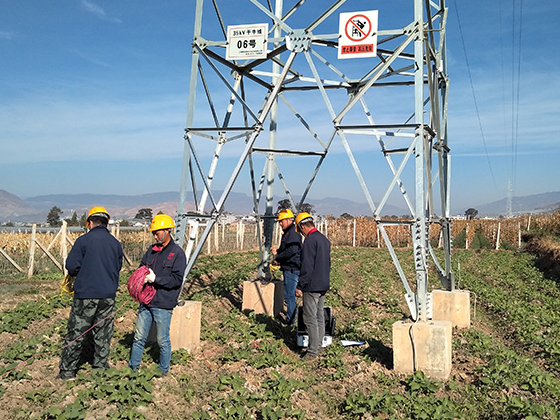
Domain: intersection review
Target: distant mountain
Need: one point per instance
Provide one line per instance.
(72, 201)
(13, 208)
(338, 206)
(118, 206)
(536, 203)
(35, 209)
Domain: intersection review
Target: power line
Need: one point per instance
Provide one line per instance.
(504, 89)
(515, 134)
(474, 97)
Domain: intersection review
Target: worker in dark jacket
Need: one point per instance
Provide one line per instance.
(314, 280)
(288, 257)
(167, 263)
(95, 261)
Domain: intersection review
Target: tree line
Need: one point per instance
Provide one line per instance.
(54, 217)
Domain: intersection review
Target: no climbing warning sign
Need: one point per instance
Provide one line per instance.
(357, 34)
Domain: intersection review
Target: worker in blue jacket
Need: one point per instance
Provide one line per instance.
(95, 261)
(313, 281)
(288, 257)
(167, 263)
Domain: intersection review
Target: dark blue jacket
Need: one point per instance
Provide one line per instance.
(169, 264)
(95, 260)
(315, 274)
(288, 254)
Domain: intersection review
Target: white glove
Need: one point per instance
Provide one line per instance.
(150, 277)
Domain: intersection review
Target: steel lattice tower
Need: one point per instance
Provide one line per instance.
(390, 108)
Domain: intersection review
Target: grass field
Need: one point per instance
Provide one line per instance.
(507, 366)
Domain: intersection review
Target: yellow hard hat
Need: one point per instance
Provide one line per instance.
(303, 217)
(98, 211)
(161, 221)
(285, 214)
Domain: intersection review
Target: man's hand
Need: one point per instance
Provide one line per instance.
(273, 251)
(299, 293)
(150, 277)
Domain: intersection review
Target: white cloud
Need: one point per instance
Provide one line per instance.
(98, 11)
(45, 129)
(7, 34)
(91, 59)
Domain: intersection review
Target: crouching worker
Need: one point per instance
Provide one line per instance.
(167, 263)
(95, 261)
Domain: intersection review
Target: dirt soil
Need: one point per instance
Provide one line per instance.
(367, 366)
(203, 369)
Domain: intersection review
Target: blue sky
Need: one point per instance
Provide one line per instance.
(94, 97)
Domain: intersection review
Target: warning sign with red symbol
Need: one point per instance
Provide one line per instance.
(357, 34)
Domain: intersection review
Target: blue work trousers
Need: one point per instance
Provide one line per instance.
(162, 318)
(290, 284)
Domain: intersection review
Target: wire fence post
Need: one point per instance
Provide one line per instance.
(237, 235)
(354, 235)
(144, 230)
(216, 237)
(63, 247)
(32, 251)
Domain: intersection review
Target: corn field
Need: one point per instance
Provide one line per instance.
(357, 232)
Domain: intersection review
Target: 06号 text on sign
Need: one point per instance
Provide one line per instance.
(246, 41)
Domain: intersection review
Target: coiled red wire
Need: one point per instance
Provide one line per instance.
(139, 291)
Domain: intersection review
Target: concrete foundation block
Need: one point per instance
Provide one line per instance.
(185, 326)
(184, 329)
(424, 346)
(263, 297)
(452, 306)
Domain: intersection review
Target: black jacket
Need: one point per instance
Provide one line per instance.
(169, 264)
(95, 260)
(288, 254)
(315, 264)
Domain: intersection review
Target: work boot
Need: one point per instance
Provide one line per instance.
(66, 375)
(308, 357)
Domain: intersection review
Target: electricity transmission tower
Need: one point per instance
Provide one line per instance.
(288, 112)
(509, 200)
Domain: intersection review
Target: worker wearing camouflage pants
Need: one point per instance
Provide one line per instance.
(84, 314)
(95, 261)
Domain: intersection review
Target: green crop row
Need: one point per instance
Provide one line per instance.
(250, 366)
(518, 298)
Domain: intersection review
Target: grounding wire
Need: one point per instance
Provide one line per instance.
(474, 97)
